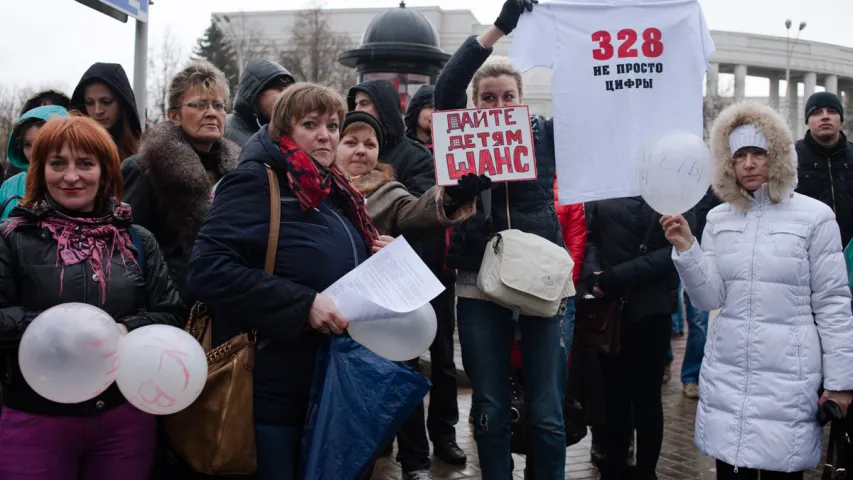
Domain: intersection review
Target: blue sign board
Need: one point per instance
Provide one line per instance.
(137, 9)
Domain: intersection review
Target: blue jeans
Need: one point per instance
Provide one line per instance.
(678, 316)
(697, 330)
(569, 326)
(278, 452)
(486, 334)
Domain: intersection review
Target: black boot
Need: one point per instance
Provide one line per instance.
(449, 452)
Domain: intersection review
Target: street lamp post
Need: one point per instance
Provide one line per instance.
(789, 50)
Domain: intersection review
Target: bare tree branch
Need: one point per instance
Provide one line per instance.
(314, 50)
(712, 105)
(164, 61)
(246, 40)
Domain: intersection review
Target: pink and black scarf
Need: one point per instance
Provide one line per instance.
(78, 239)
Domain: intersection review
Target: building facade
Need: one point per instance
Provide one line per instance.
(812, 64)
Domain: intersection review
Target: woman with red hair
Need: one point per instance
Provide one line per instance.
(71, 240)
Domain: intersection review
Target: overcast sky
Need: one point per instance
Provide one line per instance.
(52, 42)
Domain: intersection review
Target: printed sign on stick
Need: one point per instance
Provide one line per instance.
(496, 142)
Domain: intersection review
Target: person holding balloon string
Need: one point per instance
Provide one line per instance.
(325, 232)
(68, 244)
(771, 260)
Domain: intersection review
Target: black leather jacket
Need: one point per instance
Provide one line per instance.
(30, 283)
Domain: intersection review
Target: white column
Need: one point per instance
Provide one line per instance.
(809, 81)
(712, 80)
(740, 82)
(793, 103)
(831, 84)
(774, 92)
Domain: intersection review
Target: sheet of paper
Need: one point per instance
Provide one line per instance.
(389, 283)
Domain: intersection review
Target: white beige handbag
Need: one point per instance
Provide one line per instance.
(525, 272)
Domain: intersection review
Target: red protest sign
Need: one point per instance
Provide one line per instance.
(496, 142)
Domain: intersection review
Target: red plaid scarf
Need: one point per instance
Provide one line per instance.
(310, 185)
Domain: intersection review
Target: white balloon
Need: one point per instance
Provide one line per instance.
(674, 172)
(163, 369)
(69, 353)
(399, 338)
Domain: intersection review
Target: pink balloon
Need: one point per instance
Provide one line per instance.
(163, 371)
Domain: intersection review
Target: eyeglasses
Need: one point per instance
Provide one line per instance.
(202, 106)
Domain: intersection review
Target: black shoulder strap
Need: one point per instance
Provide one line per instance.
(7, 201)
(644, 247)
(140, 249)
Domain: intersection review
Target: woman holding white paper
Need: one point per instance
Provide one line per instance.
(487, 330)
(325, 232)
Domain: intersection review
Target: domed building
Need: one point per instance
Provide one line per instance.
(399, 45)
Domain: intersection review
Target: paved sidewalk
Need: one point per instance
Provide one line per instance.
(679, 459)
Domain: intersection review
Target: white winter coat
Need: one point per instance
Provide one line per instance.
(773, 263)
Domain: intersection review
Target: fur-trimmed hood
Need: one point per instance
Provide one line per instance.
(181, 183)
(782, 157)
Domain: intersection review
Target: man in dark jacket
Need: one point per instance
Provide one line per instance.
(418, 118)
(260, 84)
(412, 162)
(825, 160)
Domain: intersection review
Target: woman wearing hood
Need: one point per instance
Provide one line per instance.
(771, 260)
(18, 152)
(104, 94)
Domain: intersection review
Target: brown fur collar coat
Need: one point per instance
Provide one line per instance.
(179, 180)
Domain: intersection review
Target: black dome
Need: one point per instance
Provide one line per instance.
(400, 36)
(401, 25)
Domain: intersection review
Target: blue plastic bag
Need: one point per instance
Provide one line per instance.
(358, 400)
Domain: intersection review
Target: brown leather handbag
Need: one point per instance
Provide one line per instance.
(598, 321)
(216, 434)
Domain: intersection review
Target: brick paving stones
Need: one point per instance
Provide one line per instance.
(679, 458)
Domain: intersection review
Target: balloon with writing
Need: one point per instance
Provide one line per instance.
(674, 172)
(69, 353)
(163, 369)
(398, 338)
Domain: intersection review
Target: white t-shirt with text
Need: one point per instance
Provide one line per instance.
(624, 72)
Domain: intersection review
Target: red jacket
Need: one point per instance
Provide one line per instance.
(573, 224)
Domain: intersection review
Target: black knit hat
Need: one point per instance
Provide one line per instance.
(824, 100)
(353, 117)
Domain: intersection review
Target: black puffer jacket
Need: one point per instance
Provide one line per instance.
(422, 98)
(826, 174)
(412, 162)
(30, 283)
(531, 203)
(616, 229)
(247, 119)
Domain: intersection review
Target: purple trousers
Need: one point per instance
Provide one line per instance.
(116, 444)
